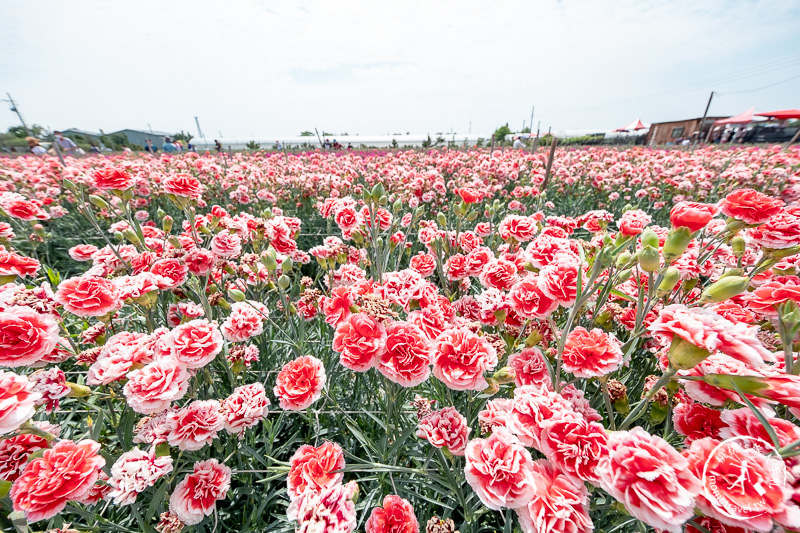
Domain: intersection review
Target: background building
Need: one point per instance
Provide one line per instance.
(669, 132)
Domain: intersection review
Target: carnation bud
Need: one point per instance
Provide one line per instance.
(284, 282)
(738, 246)
(287, 264)
(789, 314)
(398, 205)
(677, 241)
(173, 240)
(131, 235)
(441, 219)
(161, 213)
(780, 254)
(505, 375)
(623, 259)
(383, 200)
(649, 260)
(684, 355)
(377, 191)
(78, 391)
(724, 288)
(493, 387)
(162, 449)
(358, 237)
(618, 394)
(99, 202)
(236, 295)
(5, 487)
(269, 260)
(472, 216)
(166, 223)
(671, 278)
(650, 238)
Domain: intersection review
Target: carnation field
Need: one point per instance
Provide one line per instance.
(401, 342)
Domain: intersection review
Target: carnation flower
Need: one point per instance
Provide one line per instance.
(66, 472)
(396, 516)
(195, 497)
(134, 472)
(300, 383)
(591, 354)
(650, 479)
(460, 358)
(445, 429)
(312, 469)
(500, 471)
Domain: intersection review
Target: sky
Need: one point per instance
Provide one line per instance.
(249, 68)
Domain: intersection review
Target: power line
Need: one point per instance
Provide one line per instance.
(762, 87)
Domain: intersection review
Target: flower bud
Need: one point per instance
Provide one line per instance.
(166, 223)
(618, 394)
(236, 295)
(78, 391)
(99, 202)
(441, 219)
(684, 355)
(398, 205)
(623, 259)
(377, 191)
(724, 288)
(738, 246)
(671, 278)
(162, 449)
(173, 240)
(284, 282)
(287, 264)
(677, 242)
(269, 261)
(650, 238)
(649, 260)
(493, 387)
(505, 375)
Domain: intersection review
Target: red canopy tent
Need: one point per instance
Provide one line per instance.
(636, 125)
(742, 118)
(784, 114)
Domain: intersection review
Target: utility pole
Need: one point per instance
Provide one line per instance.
(470, 126)
(199, 131)
(536, 139)
(703, 122)
(531, 122)
(16, 110)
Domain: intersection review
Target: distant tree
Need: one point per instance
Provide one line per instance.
(306, 134)
(327, 134)
(427, 143)
(394, 143)
(252, 145)
(20, 133)
(183, 136)
(480, 142)
(501, 132)
(526, 130)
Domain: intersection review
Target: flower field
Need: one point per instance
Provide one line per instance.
(401, 342)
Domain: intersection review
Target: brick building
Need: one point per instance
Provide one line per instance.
(669, 132)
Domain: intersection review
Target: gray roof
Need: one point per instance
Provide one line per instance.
(144, 132)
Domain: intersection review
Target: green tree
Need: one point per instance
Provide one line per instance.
(183, 136)
(306, 134)
(252, 145)
(501, 132)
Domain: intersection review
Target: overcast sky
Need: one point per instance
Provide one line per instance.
(263, 68)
